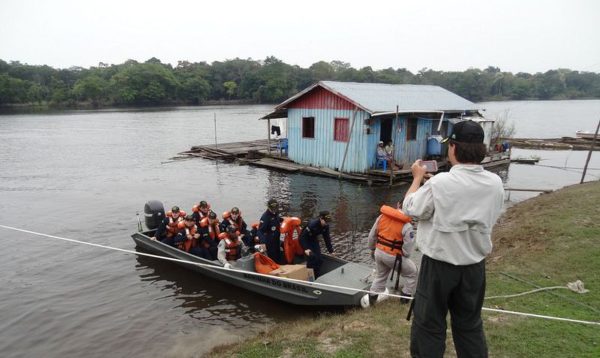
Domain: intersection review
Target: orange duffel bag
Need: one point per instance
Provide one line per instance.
(264, 264)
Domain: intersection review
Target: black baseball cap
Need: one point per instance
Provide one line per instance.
(325, 215)
(272, 203)
(466, 132)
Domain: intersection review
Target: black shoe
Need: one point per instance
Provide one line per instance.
(403, 300)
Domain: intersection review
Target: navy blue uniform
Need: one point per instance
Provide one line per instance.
(161, 233)
(309, 239)
(268, 232)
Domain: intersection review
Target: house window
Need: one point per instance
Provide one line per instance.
(308, 127)
(411, 129)
(341, 130)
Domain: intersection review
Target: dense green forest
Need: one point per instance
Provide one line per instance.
(269, 81)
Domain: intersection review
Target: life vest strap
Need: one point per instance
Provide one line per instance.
(396, 244)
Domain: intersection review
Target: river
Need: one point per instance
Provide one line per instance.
(84, 175)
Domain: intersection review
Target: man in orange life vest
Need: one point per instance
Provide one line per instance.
(391, 241)
(234, 218)
(168, 228)
(230, 248)
(187, 239)
(309, 240)
(201, 211)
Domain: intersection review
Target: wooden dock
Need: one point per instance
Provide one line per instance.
(265, 154)
(564, 143)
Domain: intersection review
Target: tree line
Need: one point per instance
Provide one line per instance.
(153, 83)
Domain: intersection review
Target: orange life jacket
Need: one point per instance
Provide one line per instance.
(389, 230)
(196, 209)
(172, 225)
(189, 233)
(264, 264)
(213, 229)
(232, 249)
(291, 244)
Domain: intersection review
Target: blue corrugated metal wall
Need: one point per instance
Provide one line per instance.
(323, 151)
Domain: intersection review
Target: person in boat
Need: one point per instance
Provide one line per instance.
(309, 240)
(252, 239)
(456, 211)
(230, 247)
(234, 218)
(187, 239)
(201, 211)
(209, 231)
(169, 226)
(268, 230)
(391, 242)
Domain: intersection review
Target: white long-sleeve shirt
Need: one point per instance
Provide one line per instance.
(456, 213)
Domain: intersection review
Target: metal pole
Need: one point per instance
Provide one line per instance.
(590, 153)
(348, 144)
(215, 120)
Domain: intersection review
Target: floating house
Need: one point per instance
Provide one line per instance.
(338, 125)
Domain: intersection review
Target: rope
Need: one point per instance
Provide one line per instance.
(316, 284)
(526, 293)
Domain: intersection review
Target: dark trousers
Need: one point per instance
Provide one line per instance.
(273, 247)
(443, 287)
(315, 260)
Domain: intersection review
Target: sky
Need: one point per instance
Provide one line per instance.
(452, 35)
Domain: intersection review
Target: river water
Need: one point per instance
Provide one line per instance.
(85, 174)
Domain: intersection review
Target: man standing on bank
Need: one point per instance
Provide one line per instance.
(456, 212)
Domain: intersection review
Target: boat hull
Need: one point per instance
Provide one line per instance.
(295, 292)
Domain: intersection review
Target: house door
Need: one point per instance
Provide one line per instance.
(386, 130)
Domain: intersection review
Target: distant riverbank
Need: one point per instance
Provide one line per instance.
(545, 241)
(50, 107)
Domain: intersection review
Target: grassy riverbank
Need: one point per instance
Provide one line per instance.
(545, 241)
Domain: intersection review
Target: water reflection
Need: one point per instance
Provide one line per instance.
(212, 301)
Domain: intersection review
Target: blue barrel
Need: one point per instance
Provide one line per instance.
(434, 147)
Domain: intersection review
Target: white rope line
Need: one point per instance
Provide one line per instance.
(317, 284)
(528, 292)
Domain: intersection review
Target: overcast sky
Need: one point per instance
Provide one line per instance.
(515, 35)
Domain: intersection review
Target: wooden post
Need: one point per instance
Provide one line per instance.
(215, 120)
(393, 162)
(269, 135)
(590, 153)
(348, 144)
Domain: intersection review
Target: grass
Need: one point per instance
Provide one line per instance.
(546, 241)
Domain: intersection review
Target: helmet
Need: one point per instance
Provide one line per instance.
(235, 210)
(175, 209)
(203, 204)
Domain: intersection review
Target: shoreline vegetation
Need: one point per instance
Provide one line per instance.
(545, 241)
(247, 81)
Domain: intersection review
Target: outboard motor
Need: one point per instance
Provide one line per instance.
(154, 213)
